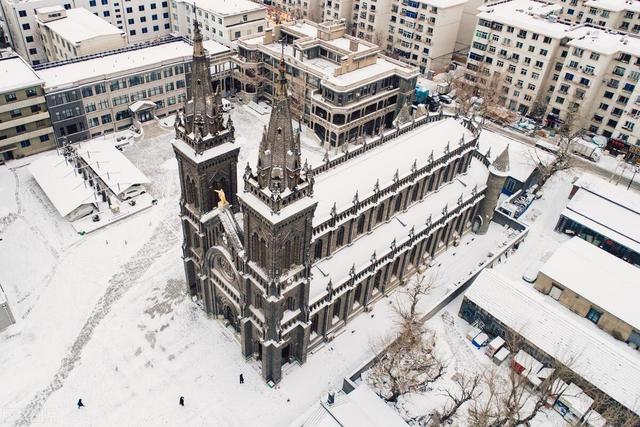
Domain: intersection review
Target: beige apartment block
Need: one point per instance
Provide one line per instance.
(598, 84)
(579, 276)
(25, 127)
(621, 15)
(73, 33)
(338, 9)
(341, 86)
(222, 21)
(301, 9)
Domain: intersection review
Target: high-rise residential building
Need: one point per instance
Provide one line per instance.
(623, 15)
(141, 20)
(106, 92)
(598, 86)
(300, 9)
(424, 33)
(341, 86)
(519, 47)
(337, 9)
(25, 127)
(224, 21)
(76, 32)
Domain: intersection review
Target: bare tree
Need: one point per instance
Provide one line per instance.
(409, 363)
(466, 387)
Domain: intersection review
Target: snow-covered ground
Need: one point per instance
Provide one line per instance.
(104, 317)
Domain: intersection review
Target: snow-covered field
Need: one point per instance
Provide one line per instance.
(104, 317)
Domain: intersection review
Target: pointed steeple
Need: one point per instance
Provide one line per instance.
(279, 160)
(500, 165)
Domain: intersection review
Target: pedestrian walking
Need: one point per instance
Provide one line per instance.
(80, 404)
(181, 401)
(241, 379)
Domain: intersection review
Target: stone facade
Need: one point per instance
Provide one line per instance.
(256, 269)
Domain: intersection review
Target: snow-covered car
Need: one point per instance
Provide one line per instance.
(446, 99)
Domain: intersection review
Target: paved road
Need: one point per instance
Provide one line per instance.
(581, 163)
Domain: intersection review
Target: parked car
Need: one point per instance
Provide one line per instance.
(446, 99)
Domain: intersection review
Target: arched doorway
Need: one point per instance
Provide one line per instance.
(230, 316)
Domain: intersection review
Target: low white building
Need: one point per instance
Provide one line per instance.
(224, 21)
(76, 32)
(65, 187)
(621, 15)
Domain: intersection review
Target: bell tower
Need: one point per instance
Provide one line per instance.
(207, 157)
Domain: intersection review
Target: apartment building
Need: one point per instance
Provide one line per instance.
(25, 127)
(99, 94)
(141, 20)
(599, 86)
(341, 86)
(75, 32)
(338, 9)
(519, 46)
(623, 15)
(300, 9)
(224, 21)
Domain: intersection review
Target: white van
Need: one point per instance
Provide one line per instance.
(133, 191)
(226, 105)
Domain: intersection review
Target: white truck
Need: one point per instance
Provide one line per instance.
(586, 149)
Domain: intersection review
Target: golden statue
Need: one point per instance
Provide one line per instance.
(223, 199)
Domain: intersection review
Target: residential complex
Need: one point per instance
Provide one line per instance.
(76, 32)
(300, 9)
(25, 127)
(224, 21)
(623, 15)
(341, 86)
(141, 20)
(98, 94)
(598, 85)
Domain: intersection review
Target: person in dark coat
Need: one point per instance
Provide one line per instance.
(80, 404)
(181, 401)
(241, 379)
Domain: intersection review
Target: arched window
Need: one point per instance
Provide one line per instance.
(263, 253)
(291, 303)
(297, 250)
(255, 247)
(361, 224)
(380, 214)
(377, 280)
(287, 254)
(258, 301)
(196, 241)
(398, 203)
(340, 236)
(396, 265)
(317, 254)
(415, 193)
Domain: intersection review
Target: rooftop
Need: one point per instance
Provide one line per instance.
(596, 275)
(66, 189)
(528, 15)
(605, 42)
(589, 352)
(80, 25)
(111, 166)
(113, 64)
(225, 7)
(607, 209)
(398, 228)
(16, 74)
(614, 5)
(381, 163)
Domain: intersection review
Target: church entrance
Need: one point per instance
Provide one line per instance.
(286, 353)
(230, 317)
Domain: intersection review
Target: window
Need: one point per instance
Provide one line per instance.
(131, 21)
(156, 28)
(129, 10)
(29, 39)
(44, 138)
(144, 30)
(93, 122)
(153, 5)
(180, 84)
(25, 144)
(90, 107)
(26, 26)
(106, 118)
(100, 88)
(35, 108)
(87, 91)
(154, 17)
(141, 8)
(16, 113)
(594, 56)
(33, 51)
(594, 315)
(22, 13)
(21, 129)
(143, 19)
(237, 34)
(106, 13)
(92, 3)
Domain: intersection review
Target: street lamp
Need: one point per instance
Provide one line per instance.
(636, 169)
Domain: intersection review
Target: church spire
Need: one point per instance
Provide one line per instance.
(279, 157)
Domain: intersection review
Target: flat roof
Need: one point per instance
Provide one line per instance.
(605, 42)
(113, 168)
(16, 74)
(101, 67)
(593, 354)
(66, 189)
(526, 14)
(596, 275)
(614, 5)
(609, 210)
(80, 25)
(226, 7)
